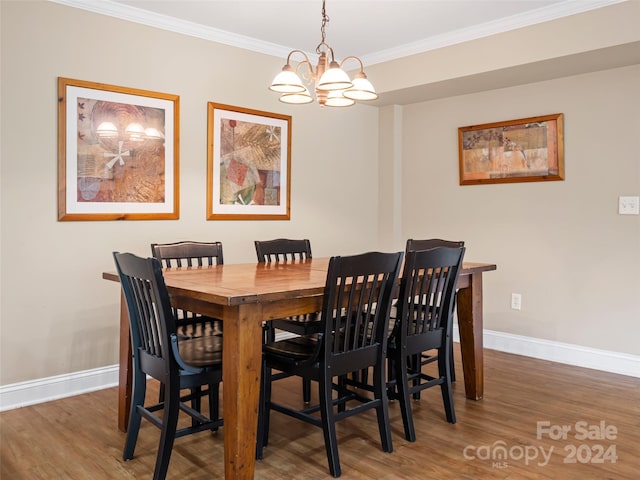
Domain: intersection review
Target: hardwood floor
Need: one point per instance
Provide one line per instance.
(77, 438)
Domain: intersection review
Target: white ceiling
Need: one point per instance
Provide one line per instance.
(375, 30)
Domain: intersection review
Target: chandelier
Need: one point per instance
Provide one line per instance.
(332, 85)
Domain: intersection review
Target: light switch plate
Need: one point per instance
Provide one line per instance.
(516, 301)
(629, 205)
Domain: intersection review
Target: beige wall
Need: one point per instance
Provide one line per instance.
(57, 314)
(362, 178)
(562, 245)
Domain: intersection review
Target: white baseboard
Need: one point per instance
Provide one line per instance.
(46, 389)
(605, 360)
(52, 388)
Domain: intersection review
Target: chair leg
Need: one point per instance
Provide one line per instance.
(168, 433)
(447, 399)
(267, 405)
(214, 403)
(416, 365)
(161, 393)
(139, 393)
(329, 426)
(444, 368)
(382, 410)
(306, 390)
(196, 403)
(262, 436)
(392, 391)
(452, 370)
(342, 391)
(403, 396)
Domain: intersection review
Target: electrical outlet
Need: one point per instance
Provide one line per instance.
(516, 301)
(629, 205)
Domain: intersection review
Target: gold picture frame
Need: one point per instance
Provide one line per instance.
(523, 150)
(118, 151)
(248, 164)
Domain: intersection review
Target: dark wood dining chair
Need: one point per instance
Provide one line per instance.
(426, 244)
(280, 250)
(353, 338)
(158, 352)
(430, 275)
(191, 254)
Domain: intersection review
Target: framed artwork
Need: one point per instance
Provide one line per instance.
(118, 152)
(248, 164)
(524, 150)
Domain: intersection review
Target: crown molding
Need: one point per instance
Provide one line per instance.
(533, 17)
(165, 22)
(540, 15)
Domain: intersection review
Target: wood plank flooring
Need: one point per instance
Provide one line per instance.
(77, 438)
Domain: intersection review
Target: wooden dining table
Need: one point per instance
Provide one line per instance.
(244, 296)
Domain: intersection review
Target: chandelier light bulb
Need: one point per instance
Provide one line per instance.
(297, 98)
(361, 89)
(287, 81)
(334, 78)
(336, 99)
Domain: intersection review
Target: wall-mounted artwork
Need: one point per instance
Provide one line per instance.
(524, 150)
(248, 164)
(117, 152)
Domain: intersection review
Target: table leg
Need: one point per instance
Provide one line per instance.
(124, 372)
(241, 363)
(470, 328)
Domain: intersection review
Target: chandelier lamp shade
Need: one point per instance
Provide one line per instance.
(332, 85)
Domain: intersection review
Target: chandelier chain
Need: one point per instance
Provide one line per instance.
(325, 20)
